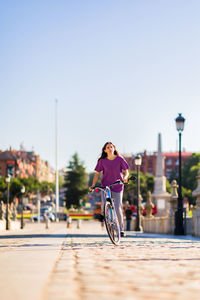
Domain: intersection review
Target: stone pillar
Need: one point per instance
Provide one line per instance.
(2, 210)
(14, 211)
(173, 202)
(173, 199)
(160, 196)
(149, 206)
(2, 216)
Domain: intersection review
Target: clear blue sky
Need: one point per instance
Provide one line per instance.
(121, 71)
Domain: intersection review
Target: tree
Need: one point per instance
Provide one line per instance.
(46, 187)
(146, 184)
(31, 186)
(3, 188)
(189, 174)
(91, 175)
(189, 171)
(76, 182)
(15, 188)
(173, 175)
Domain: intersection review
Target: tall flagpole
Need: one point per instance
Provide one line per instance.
(56, 144)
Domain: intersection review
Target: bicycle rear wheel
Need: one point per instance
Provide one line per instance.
(112, 224)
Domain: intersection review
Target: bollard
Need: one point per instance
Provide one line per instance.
(78, 223)
(69, 221)
(46, 220)
(47, 223)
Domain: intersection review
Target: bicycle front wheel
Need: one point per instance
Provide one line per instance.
(112, 224)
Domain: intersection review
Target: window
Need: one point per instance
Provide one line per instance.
(150, 163)
(169, 162)
(168, 173)
(10, 169)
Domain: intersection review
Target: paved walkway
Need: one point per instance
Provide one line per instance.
(60, 263)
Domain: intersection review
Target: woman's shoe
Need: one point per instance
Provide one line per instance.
(101, 218)
(122, 234)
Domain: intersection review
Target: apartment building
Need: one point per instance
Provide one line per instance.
(21, 163)
(171, 161)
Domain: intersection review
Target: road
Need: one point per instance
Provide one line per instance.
(81, 263)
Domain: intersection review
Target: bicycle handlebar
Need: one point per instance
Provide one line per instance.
(119, 181)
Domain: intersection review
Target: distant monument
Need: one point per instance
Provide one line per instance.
(160, 197)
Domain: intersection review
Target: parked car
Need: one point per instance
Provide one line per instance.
(45, 209)
(49, 215)
(28, 207)
(62, 216)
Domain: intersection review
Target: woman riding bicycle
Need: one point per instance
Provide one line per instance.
(113, 167)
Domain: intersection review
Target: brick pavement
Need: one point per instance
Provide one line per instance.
(141, 267)
(85, 265)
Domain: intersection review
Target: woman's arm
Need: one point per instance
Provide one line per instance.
(126, 174)
(95, 178)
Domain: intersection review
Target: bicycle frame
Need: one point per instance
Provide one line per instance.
(111, 219)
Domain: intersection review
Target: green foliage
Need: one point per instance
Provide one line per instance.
(3, 188)
(189, 174)
(46, 187)
(91, 175)
(174, 175)
(189, 171)
(168, 187)
(61, 181)
(76, 182)
(149, 182)
(187, 193)
(31, 186)
(146, 184)
(15, 188)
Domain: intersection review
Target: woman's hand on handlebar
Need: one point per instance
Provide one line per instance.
(91, 188)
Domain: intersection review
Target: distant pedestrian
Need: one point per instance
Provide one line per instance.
(46, 220)
(128, 214)
(69, 221)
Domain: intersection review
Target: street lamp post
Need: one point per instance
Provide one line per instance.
(22, 213)
(8, 194)
(138, 162)
(179, 229)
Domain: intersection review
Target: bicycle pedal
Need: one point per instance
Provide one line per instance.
(110, 202)
(101, 218)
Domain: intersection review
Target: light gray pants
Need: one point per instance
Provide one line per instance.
(117, 197)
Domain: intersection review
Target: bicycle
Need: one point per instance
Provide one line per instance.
(110, 216)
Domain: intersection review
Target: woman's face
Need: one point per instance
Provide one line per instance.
(109, 149)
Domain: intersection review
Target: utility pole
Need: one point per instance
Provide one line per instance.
(56, 145)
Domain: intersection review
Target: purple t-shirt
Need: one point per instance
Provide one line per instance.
(112, 170)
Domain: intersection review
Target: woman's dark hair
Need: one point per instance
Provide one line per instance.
(104, 154)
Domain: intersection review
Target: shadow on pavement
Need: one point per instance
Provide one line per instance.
(144, 235)
(131, 235)
(26, 236)
(26, 245)
(153, 259)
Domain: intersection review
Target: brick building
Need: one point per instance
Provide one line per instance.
(171, 161)
(20, 163)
